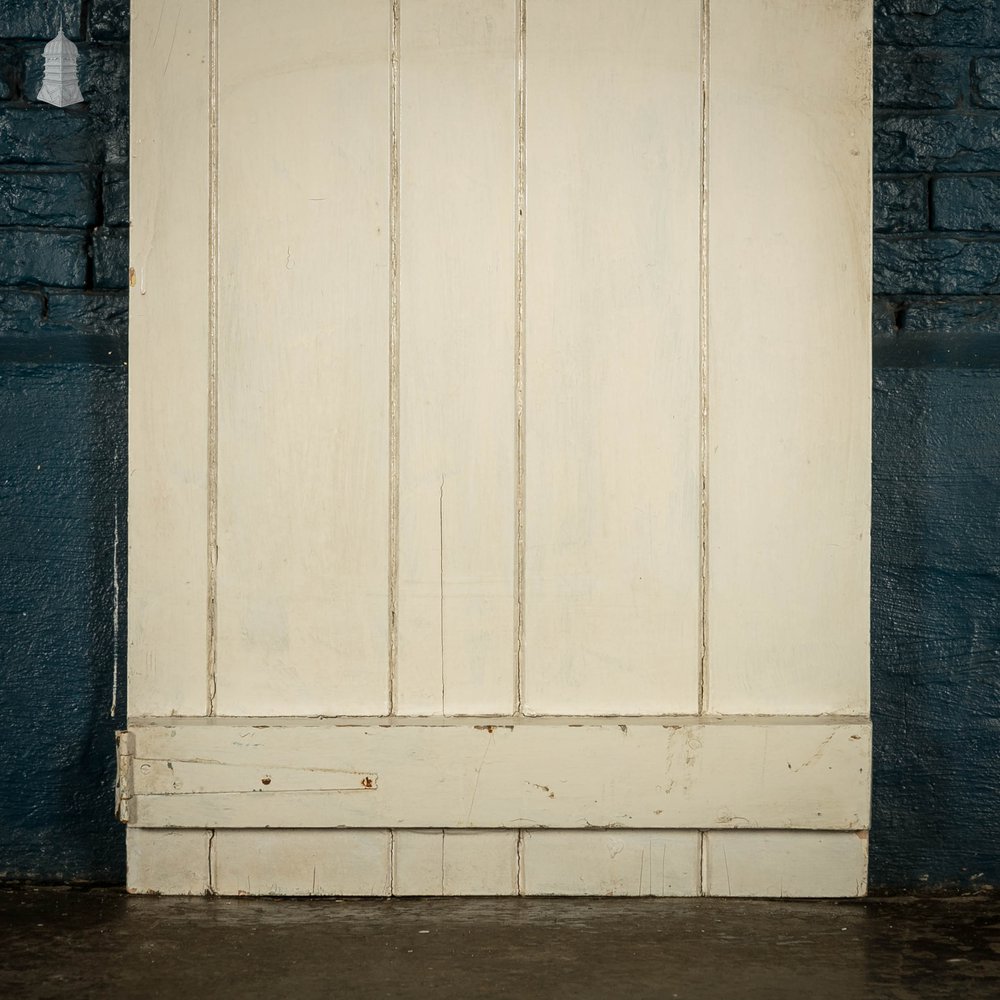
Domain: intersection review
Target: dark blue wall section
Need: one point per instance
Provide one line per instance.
(62, 477)
(936, 456)
(936, 628)
(63, 321)
(936, 497)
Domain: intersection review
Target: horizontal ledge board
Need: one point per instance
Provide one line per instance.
(485, 721)
(649, 773)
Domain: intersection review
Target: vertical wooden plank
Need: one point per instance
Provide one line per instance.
(171, 862)
(303, 358)
(455, 863)
(457, 462)
(168, 359)
(612, 369)
(610, 863)
(796, 863)
(789, 356)
(301, 862)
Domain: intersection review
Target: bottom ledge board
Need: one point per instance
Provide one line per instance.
(381, 863)
(790, 773)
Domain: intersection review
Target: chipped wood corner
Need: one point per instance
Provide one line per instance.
(125, 746)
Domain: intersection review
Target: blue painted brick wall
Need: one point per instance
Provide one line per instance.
(936, 437)
(936, 476)
(63, 319)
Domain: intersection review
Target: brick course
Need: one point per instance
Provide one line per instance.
(64, 186)
(937, 173)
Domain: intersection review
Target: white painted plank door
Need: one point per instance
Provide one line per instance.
(498, 448)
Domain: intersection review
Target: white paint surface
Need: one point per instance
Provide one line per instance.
(455, 863)
(171, 862)
(611, 482)
(791, 863)
(301, 863)
(569, 773)
(789, 338)
(457, 462)
(168, 363)
(745, 863)
(611, 863)
(303, 342)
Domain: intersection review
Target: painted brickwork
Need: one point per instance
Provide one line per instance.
(63, 316)
(936, 521)
(936, 462)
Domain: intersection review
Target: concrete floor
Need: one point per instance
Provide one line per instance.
(102, 943)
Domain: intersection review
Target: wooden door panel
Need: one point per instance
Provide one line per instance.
(611, 599)
(789, 240)
(169, 301)
(303, 396)
(457, 464)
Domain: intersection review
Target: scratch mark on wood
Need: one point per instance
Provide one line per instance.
(479, 771)
(159, 22)
(173, 41)
(815, 755)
